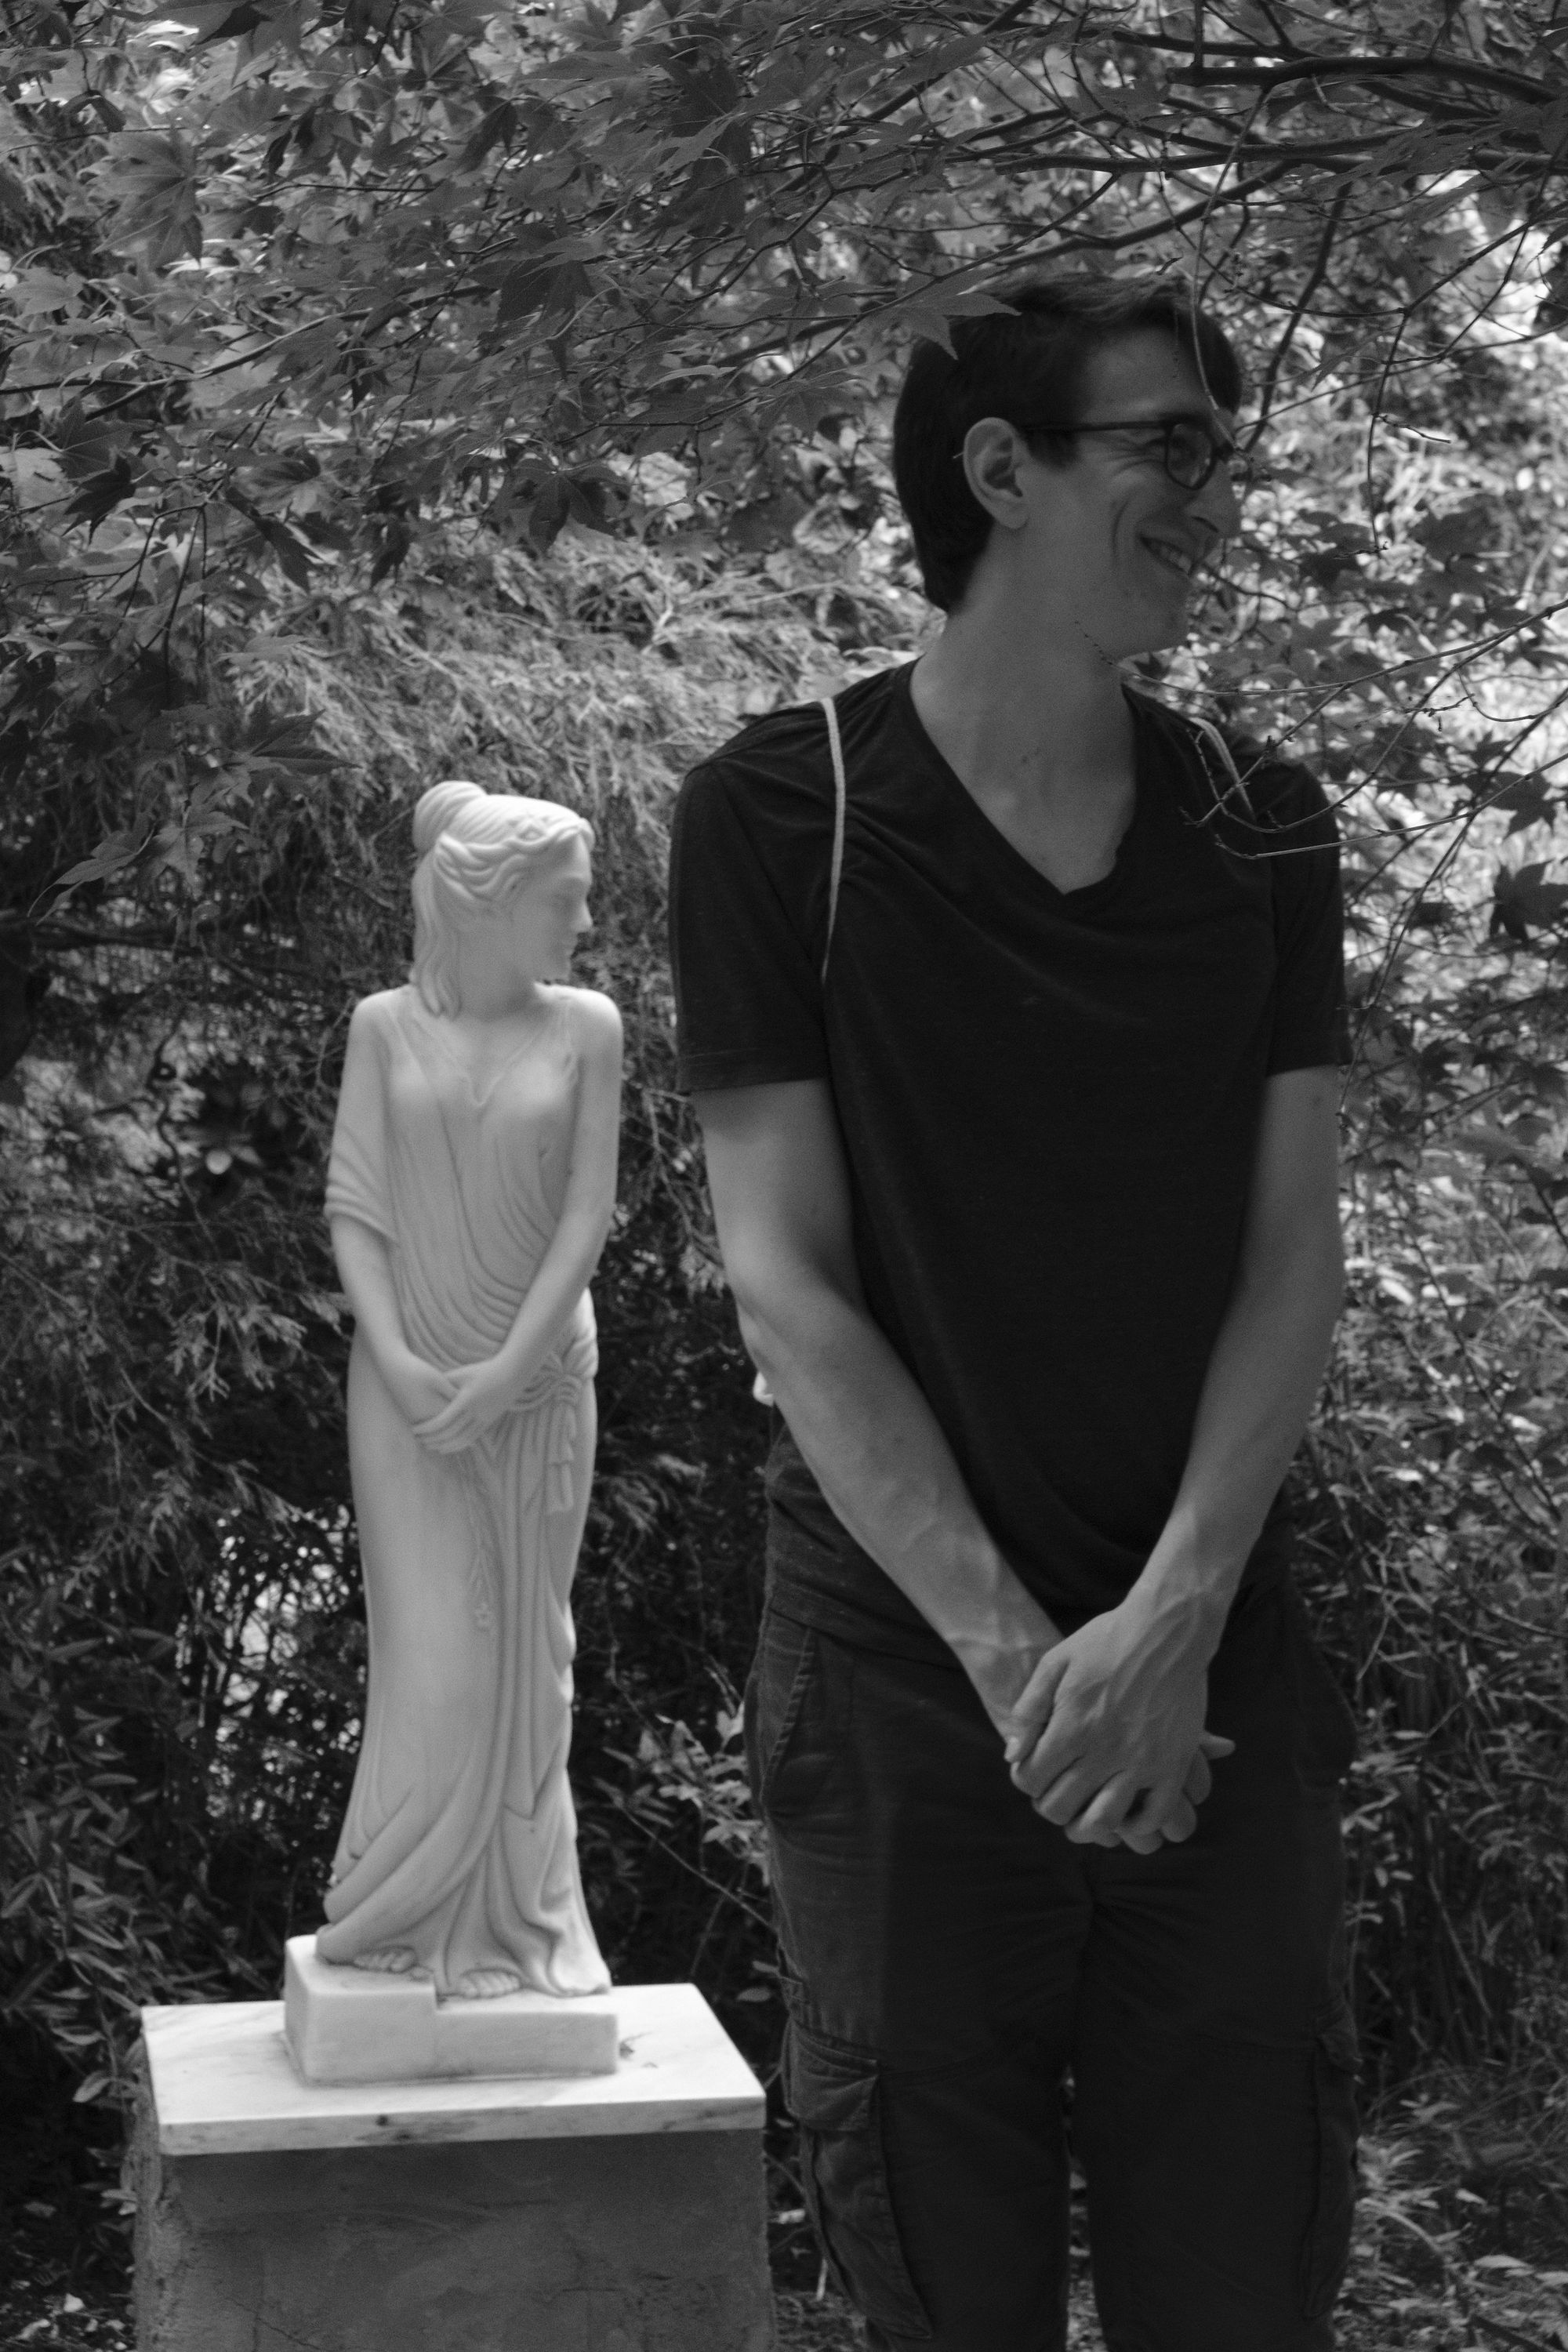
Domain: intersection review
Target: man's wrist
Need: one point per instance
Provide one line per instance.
(1001, 1633)
(1188, 1587)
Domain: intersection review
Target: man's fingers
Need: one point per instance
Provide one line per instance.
(1063, 1745)
(1039, 1773)
(1167, 1812)
(1099, 1823)
(1065, 1797)
(1200, 1780)
(1026, 1717)
(1060, 1747)
(1137, 1839)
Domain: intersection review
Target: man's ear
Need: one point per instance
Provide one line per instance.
(992, 453)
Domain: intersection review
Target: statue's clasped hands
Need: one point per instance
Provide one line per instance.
(476, 1395)
(449, 1410)
(1107, 1738)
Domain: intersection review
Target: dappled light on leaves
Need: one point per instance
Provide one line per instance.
(392, 392)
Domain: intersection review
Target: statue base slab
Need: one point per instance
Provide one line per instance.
(361, 2025)
(616, 2212)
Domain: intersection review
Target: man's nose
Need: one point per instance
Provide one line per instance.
(1217, 504)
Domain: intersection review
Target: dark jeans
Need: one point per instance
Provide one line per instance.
(949, 1957)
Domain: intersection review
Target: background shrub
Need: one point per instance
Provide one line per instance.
(181, 1607)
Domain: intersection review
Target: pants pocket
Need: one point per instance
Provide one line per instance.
(785, 1718)
(833, 2096)
(1326, 2254)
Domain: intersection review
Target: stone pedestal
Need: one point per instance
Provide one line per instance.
(616, 2212)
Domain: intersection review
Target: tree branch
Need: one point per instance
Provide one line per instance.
(1303, 304)
(1359, 69)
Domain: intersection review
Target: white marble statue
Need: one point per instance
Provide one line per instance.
(472, 1179)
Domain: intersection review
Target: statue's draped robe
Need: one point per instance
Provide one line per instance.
(460, 1840)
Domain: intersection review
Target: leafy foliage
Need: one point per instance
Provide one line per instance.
(287, 283)
(324, 325)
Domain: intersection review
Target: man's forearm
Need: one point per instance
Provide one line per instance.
(1263, 1379)
(880, 1455)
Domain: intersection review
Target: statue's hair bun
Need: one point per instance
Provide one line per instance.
(436, 808)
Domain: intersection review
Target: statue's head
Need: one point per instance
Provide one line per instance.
(476, 851)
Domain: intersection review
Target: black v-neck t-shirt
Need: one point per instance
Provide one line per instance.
(1050, 1102)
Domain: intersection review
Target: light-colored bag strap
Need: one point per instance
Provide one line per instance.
(1217, 743)
(839, 796)
(1209, 734)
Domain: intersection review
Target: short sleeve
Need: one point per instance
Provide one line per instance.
(1310, 1030)
(747, 996)
(356, 1172)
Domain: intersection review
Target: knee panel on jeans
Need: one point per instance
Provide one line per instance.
(833, 2093)
(1221, 2187)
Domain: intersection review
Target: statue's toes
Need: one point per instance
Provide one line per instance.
(392, 1960)
(488, 1984)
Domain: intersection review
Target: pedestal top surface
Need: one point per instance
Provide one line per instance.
(223, 2083)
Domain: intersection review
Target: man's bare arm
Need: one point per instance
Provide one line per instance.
(781, 1201)
(1125, 1695)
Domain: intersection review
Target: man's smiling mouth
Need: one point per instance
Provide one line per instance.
(1178, 559)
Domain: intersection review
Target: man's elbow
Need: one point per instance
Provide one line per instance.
(1332, 1287)
(1320, 1269)
(755, 1291)
(1330, 1237)
(1303, 1259)
(757, 1338)
(783, 1312)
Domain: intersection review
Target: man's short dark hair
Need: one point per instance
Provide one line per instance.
(1022, 366)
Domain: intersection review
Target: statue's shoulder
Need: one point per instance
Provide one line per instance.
(376, 1010)
(375, 1016)
(596, 1019)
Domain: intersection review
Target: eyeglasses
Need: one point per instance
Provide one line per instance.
(1188, 450)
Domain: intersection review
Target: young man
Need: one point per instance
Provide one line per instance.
(1021, 1138)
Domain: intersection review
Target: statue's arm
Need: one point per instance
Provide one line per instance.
(481, 1392)
(364, 1262)
(364, 1269)
(567, 1266)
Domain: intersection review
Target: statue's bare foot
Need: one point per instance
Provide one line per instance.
(392, 1959)
(486, 1984)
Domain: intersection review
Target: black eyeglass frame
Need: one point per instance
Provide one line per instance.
(1227, 453)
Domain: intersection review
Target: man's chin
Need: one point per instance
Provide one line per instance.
(1170, 627)
(1150, 626)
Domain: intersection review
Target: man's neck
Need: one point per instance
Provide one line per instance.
(1036, 726)
(1017, 711)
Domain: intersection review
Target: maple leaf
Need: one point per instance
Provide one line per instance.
(152, 179)
(101, 493)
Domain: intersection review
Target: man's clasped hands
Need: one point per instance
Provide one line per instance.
(1107, 1736)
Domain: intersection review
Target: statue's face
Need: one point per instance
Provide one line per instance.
(547, 916)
